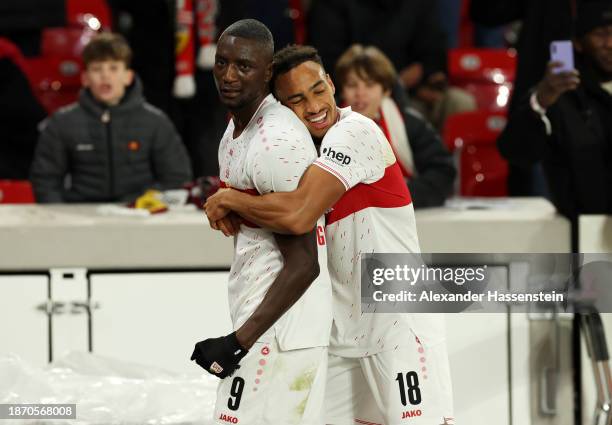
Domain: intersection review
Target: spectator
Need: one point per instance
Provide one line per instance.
(408, 32)
(542, 22)
(111, 143)
(566, 122)
(366, 78)
(20, 113)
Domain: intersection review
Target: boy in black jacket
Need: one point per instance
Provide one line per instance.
(111, 143)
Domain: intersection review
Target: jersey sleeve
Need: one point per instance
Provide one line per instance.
(278, 164)
(352, 152)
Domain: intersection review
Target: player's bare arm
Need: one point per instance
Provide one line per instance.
(293, 212)
(300, 269)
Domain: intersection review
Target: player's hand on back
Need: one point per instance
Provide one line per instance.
(219, 356)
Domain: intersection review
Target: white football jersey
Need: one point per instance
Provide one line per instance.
(270, 155)
(375, 215)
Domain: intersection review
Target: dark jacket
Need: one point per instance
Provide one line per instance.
(433, 182)
(110, 153)
(577, 156)
(407, 31)
(433, 162)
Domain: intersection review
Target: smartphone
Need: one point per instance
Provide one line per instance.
(562, 51)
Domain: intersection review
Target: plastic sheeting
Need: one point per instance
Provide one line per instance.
(109, 391)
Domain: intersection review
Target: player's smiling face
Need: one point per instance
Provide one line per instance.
(309, 92)
(241, 72)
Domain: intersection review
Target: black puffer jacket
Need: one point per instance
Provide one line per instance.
(433, 162)
(110, 153)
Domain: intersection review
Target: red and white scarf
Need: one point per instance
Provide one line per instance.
(392, 124)
(206, 12)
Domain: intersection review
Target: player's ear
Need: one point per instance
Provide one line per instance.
(331, 83)
(269, 72)
(84, 79)
(129, 77)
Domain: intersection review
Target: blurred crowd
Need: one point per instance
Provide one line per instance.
(465, 91)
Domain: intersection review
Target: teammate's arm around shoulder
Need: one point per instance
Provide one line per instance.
(293, 212)
(294, 194)
(300, 269)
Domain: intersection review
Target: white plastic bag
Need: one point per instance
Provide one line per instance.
(109, 391)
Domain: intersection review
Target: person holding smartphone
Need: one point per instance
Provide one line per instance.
(565, 120)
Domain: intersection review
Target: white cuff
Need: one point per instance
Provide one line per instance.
(538, 109)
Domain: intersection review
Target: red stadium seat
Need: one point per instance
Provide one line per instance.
(495, 66)
(55, 75)
(490, 97)
(16, 192)
(472, 137)
(65, 42)
(55, 81)
(94, 14)
(10, 50)
(486, 73)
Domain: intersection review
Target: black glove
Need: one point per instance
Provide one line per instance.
(219, 356)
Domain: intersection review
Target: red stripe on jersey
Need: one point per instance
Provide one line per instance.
(334, 172)
(388, 192)
(250, 192)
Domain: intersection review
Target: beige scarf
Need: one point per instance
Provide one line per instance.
(392, 123)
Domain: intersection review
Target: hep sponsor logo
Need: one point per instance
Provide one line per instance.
(227, 418)
(411, 413)
(339, 157)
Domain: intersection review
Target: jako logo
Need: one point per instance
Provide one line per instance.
(411, 413)
(338, 156)
(228, 418)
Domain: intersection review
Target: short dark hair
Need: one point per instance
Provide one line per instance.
(292, 56)
(369, 63)
(107, 46)
(251, 29)
(592, 14)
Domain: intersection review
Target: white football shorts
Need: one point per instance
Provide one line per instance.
(407, 386)
(274, 387)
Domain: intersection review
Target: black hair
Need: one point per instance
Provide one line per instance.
(292, 56)
(252, 29)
